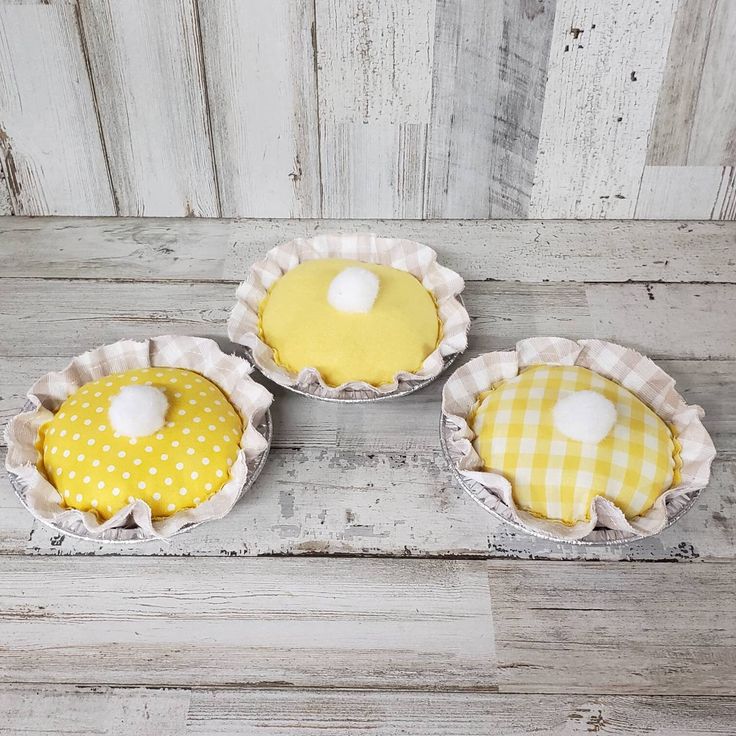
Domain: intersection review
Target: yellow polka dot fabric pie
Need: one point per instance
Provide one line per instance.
(553, 476)
(94, 468)
(395, 333)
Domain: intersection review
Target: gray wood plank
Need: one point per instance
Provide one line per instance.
(490, 67)
(669, 140)
(703, 192)
(87, 711)
(197, 249)
(50, 146)
(661, 320)
(152, 105)
(311, 713)
(92, 711)
(374, 64)
(388, 504)
(261, 80)
(413, 624)
(623, 628)
(599, 104)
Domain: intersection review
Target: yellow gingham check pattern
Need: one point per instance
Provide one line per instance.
(555, 477)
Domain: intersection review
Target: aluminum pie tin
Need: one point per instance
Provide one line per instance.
(599, 537)
(129, 535)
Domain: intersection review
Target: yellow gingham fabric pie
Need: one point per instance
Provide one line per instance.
(555, 477)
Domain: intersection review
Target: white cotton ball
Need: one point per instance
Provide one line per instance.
(137, 411)
(585, 416)
(353, 290)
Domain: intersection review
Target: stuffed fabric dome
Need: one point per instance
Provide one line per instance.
(562, 435)
(350, 320)
(94, 456)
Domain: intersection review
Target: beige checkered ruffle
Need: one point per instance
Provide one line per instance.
(230, 373)
(624, 366)
(420, 260)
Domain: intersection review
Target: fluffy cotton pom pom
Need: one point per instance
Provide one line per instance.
(585, 416)
(137, 411)
(353, 290)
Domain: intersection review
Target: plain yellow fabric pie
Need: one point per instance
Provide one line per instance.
(537, 430)
(179, 466)
(397, 333)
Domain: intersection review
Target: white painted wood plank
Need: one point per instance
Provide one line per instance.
(661, 320)
(6, 206)
(261, 79)
(355, 623)
(615, 628)
(725, 208)
(669, 192)
(323, 713)
(713, 138)
(603, 81)
(372, 170)
(42, 710)
(145, 59)
(50, 145)
(71, 711)
(383, 503)
(374, 64)
(516, 250)
(695, 320)
(490, 62)
(669, 140)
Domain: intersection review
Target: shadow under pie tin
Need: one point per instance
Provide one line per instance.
(599, 537)
(127, 535)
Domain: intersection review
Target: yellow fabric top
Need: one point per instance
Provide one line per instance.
(304, 330)
(178, 467)
(555, 477)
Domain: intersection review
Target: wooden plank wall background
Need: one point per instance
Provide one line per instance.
(363, 109)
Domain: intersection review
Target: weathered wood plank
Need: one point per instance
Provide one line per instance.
(79, 711)
(313, 713)
(490, 63)
(669, 141)
(238, 622)
(374, 64)
(146, 64)
(503, 250)
(50, 146)
(668, 192)
(261, 79)
(661, 320)
(6, 205)
(623, 628)
(41, 710)
(388, 504)
(713, 137)
(605, 71)
(646, 316)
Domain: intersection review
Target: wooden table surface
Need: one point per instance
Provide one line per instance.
(355, 588)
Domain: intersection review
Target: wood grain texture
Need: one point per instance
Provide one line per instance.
(713, 137)
(88, 711)
(605, 71)
(314, 713)
(489, 74)
(374, 64)
(661, 320)
(145, 59)
(703, 192)
(624, 628)
(535, 251)
(92, 711)
(669, 141)
(261, 79)
(51, 152)
(239, 622)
